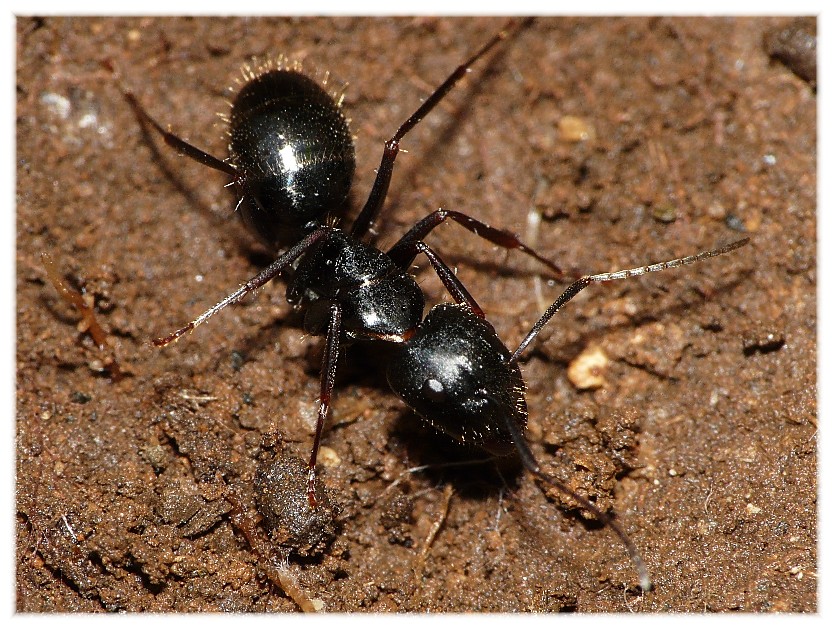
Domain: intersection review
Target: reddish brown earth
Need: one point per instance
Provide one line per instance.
(702, 438)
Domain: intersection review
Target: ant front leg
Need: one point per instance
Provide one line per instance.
(402, 252)
(452, 284)
(328, 368)
(333, 337)
(527, 457)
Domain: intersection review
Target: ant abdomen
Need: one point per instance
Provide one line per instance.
(292, 148)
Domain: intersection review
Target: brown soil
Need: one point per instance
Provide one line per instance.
(702, 438)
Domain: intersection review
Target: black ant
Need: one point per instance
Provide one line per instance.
(292, 161)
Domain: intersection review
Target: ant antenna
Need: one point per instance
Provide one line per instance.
(531, 465)
(574, 288)
(526, 455)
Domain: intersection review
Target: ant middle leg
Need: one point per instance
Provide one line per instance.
(402, 252)
(259, 280)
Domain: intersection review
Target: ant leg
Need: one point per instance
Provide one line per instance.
(391, 148)
(330, 363)
(178, 144)
(400, 252)
(454, 286)
(262, 278)
(531, 464)
(583, 282)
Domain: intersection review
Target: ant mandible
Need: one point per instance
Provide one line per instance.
(292, 160)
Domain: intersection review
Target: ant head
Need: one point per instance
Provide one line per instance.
(455, 373)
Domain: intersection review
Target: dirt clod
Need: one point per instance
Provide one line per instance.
(282, 501)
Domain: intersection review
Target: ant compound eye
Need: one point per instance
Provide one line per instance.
(433, 390)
